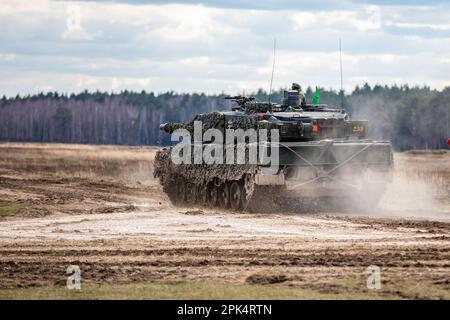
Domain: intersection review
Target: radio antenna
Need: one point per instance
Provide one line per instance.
(273, 65)
(342, 81)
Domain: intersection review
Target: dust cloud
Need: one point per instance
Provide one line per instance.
(419, 188)
(416, 190)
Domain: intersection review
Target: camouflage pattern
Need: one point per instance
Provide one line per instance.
(209, 120)
(200, 175)
(170, 127)
(258, 107)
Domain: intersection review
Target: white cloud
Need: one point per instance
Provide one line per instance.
(7, 56)
(9, 7)
(199, 48)
(361, 19)
(80, 34)
(413, 25)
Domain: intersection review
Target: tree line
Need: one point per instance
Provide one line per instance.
(412, 118)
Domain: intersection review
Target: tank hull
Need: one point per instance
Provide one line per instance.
(314, 169)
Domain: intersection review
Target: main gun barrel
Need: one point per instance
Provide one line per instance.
(171, 126)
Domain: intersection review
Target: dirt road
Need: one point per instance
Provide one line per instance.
(100, 208)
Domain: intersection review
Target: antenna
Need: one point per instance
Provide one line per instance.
(342, 81)
(273, 65)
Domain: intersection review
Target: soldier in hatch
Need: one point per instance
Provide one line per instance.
(296, 86)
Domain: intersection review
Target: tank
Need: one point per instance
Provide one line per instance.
(322, 156)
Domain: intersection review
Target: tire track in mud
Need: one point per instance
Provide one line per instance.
(422, 225)
(175, 244)
(266, 256)
(25, 266)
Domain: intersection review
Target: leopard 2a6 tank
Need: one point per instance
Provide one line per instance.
(321, 154)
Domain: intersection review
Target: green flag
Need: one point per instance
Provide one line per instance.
(315, 99)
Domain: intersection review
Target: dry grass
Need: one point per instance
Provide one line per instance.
(78, 161)
(7, 209)
(338, 289)
(432, 168)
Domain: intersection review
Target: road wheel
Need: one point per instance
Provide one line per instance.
(191, 193)
(236, 196)
(225, 195)
(181, 190)
(213, 195)
(203, 194)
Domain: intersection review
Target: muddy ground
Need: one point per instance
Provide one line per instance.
(100, 208)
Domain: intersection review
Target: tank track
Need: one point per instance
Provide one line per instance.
(222, 186)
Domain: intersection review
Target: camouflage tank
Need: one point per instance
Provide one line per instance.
(321, 154)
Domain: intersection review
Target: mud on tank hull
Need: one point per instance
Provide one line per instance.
(326, 169)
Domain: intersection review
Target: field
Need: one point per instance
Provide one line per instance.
(99, 207)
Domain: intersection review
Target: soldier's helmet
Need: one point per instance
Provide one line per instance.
(296, 86)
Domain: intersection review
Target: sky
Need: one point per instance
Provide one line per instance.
(220, 46)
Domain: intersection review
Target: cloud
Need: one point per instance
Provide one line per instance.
(303, 5)
(72, 46)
